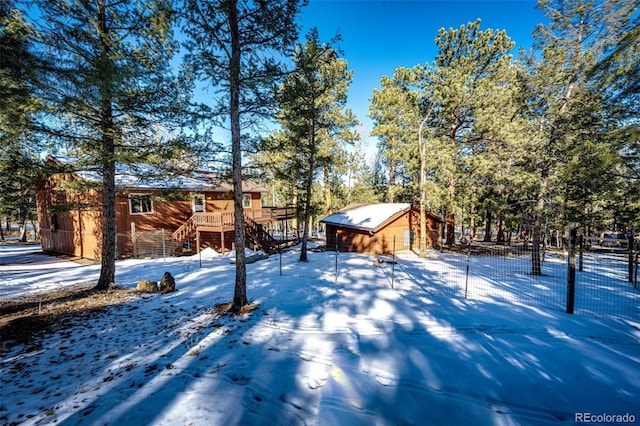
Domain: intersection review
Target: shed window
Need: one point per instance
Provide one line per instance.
(141, 203)
(246, 201)
(409, 238)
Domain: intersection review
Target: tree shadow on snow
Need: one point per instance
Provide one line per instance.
(352, 350)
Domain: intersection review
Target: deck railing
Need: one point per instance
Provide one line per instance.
(226, 219)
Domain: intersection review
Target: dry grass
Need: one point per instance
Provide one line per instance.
(223, 309)
(22, 319)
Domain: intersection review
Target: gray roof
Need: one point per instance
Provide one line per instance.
(197, 181)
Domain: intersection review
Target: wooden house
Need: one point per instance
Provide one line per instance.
(153, 217)
(379, 228)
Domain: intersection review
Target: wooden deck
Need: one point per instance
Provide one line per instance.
(224, 221)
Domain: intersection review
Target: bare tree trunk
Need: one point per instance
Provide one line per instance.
(108, 260)
(24, 214)
(451, 193)
(327, 189)
(423, 197)
(240, 290)
(472, 224)
(536, 257)
(392, 181)
(107, 161)
(23, 233)
(500, 237)
(487, 227)
(423, 189)
(308, 192)
(450, 228)
(450, 220)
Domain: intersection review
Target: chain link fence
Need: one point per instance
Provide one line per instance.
(144, 244)
(605, 281)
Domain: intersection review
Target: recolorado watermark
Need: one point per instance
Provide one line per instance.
(604, 418)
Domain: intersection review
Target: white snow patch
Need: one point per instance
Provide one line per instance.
(316, 351)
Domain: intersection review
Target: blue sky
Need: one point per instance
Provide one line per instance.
(379, 36)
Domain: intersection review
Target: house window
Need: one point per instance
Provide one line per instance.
(140, 203)
(246, 201)
(198, 203)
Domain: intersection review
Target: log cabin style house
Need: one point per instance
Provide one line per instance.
(153, 217)
(377, 229)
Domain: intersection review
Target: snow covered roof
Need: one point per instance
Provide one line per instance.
(368, 217)
(146, 177)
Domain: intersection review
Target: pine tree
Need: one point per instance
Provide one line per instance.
(312, 116)
(470, 70)
(234, 46)
(618, 80)
(360, 181)
(566, 113)
(19, 163)
(395, 110)
(112, 96)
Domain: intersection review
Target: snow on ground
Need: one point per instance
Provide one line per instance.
(318, 350)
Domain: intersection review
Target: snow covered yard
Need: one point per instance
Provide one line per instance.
(316, 350)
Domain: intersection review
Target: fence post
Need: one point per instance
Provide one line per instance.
(632, 239)
(133, 240)
(635, 277)
(571, 274)
(466, 280)
(164, 251)
(581, 258)
(336, 257)
(393, 261)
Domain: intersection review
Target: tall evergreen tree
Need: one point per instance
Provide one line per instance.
(618, 77)
(234, 46)
(469, 71)
(337, 130)
(332, 152)
(566, 113)
(19, 162)
(110, 89)
(312, 116)
(395, 110)
(360, 184)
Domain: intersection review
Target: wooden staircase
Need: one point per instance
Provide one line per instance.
(184, 232)
(255, 234)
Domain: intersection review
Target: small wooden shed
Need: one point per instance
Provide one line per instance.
(379, 228)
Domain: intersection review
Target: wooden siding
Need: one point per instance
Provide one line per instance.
(215, 240)
(168, 215)
(404, 230)
(78, 231)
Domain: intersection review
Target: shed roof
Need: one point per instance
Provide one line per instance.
(368, 217)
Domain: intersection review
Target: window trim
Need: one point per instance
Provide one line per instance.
(140, 196)
(193, 203)
(244, 198)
